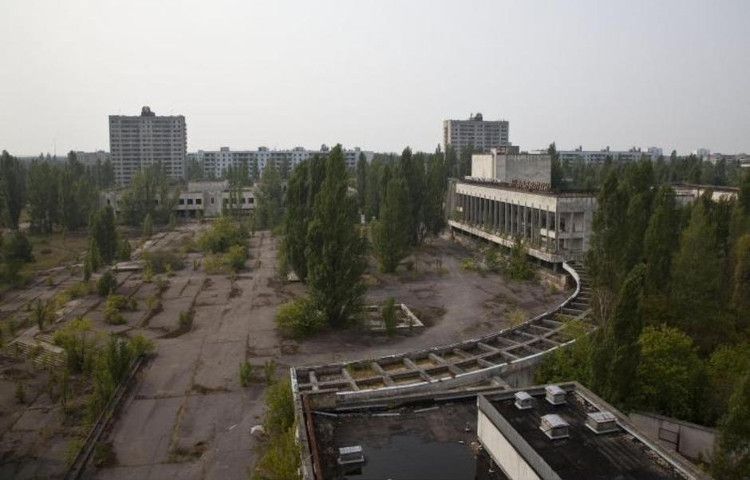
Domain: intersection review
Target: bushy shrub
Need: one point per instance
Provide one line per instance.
(106, 284)
(78, 342)
(186, 320)
(16, 247)
(215, 265)
(141, 345)
(468, 263)
(223, 234)
(81, 289)
(236, 257)
(123, 249)
(389, 316)
(161, 260)
(115, 305)
(246, 373)
(299, 318)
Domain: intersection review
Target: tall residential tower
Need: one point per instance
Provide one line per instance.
(480, 135)
(136, 142)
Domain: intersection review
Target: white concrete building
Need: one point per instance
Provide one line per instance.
(597, 157)
(200, 200)
(514, 202)
(136, 142)
(217, 162)
(477, 133)
(90, 158)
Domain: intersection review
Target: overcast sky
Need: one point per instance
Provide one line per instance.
(377, 74)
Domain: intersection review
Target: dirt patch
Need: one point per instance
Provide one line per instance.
(201, 390)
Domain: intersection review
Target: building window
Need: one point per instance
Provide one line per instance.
(182, 201)
(199, 201)
(190, 201)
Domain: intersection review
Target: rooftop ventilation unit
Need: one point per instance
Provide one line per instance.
(554, 426)
(351, 456)
(554, 395)
(601, 422)
(524, 401)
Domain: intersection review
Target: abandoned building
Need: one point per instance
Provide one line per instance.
(559, 432)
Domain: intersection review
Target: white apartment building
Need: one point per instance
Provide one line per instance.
(136, 142)
(597, 157)
(216, 163)
(476, 133)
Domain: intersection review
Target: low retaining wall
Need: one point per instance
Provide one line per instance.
(692, 441)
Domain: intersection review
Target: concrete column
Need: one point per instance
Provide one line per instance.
(557, 231)
(547, 227)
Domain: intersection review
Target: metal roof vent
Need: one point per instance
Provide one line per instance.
(554, 395)
(554, 426)
(524, 401)
(351, 455)
(601, 422)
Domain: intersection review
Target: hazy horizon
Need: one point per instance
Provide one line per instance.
(377, 75)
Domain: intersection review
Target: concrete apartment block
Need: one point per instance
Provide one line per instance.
(137, 142)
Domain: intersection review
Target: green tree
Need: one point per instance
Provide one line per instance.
(43, 196)
(77, 195)
(732, 458)
(616, 374)
(391, 237)
(148, 194)
(726, 366)
(147, 226)
(606, 256)
(270, 198)
(433, 213)
(411, 168)
(335, 248)
(669, 372)
(362, 180)
(695, 280)
(104, 234)
(300, 195)
(741, 290)
(556, 174)
(12, 188)
(660, 238)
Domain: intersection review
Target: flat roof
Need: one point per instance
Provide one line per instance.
(490, 183)
(584, 454)
(436, 441)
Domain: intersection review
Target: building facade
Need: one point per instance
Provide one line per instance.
(137, 142)
(597, 157)
(476, 133)
(199, 200)
(91, 158)
(508, 199)
(216, 163)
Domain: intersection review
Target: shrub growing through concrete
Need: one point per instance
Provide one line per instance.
(389, 316)
(269, 370)
(106, 284)
(78, 342)
(246, 373)
(186, 320)
(161, 260)
(279, 458)
(299, 318)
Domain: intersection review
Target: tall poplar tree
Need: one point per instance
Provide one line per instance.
(362, 180)
(335, 248)
(12, 188)
(391, 232)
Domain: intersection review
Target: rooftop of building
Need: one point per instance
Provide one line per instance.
(527, 187)
(415, 441)
(624, 454)
(434, 435)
